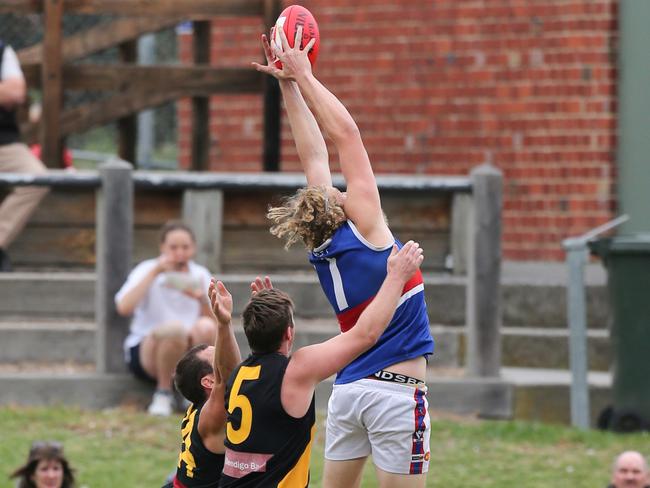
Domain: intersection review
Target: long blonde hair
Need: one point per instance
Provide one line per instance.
(311, 215)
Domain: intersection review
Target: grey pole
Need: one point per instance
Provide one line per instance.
(113, 248)
(576, 248)
(483, 304)
(576, 258)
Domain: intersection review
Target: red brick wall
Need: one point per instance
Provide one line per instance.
(440, 86)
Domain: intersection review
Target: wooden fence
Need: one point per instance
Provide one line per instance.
(49, 66)
(475, 236)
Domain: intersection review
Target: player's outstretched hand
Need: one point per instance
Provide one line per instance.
(406, 261)
(270, 68)
(260, 284)
(294, 61)
(220, 301)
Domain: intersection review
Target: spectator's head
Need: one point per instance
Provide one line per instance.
(268, 321)
(311, 215)
(194, 376)
(630, 470)
(177, 241)
(46, 467)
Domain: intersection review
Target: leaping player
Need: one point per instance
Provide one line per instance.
(378, 405)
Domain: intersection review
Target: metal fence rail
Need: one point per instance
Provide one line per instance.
(228, 181)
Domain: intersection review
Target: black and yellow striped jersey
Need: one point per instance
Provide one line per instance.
(265, 446)
(197, 466)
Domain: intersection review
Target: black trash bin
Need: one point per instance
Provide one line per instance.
(627, 259)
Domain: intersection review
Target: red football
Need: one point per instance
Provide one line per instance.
(289, 20)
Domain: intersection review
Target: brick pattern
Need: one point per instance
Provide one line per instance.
(438, 87)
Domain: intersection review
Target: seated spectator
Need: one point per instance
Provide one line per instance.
(46, 467)
(630, 470)
(167, 297)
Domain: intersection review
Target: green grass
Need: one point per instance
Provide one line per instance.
(126, 448)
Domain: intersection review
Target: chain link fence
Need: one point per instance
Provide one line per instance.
(157, 134)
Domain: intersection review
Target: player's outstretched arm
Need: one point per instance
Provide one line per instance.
(307, 136)
(226, 350)
(226, 358)
(310, 144)
(312, 364)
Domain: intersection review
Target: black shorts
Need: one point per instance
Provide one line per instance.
(136, 368)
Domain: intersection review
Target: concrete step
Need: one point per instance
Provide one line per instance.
(47, 340)
(552, 376)
(544, 395)
(86, 389)
(61, 340)
(47, 295)
(524, 394)
(527, 347)
(533, 394)
(526, 300)
(490, 398)
(549, 348)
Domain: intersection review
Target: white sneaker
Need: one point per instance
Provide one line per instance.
(161, 404)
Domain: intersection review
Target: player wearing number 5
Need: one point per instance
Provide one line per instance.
(378, 405)
(270, 396)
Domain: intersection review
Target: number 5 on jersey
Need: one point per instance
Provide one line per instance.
(237, 400)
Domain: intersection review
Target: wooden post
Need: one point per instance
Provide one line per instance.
(128, 126)
(272, 112)
(483, 312)
(201, 105)
(51, 74)
(113, 250)
(203, 212)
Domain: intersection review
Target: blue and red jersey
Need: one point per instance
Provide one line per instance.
(351, 270)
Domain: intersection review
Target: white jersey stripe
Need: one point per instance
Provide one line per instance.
(365, 242)
(413, 291)
(339, 292)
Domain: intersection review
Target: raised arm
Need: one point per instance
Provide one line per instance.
(226, 358)
(307, 136)
(226, 350)
(312, 364)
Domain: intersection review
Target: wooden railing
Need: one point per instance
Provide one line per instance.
(475, 237)
(134, 88)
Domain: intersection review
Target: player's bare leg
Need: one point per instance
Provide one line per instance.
(392, 480)
(343, 473)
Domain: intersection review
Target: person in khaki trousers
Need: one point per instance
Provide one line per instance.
(15, 157)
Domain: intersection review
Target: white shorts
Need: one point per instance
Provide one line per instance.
(385, 419)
